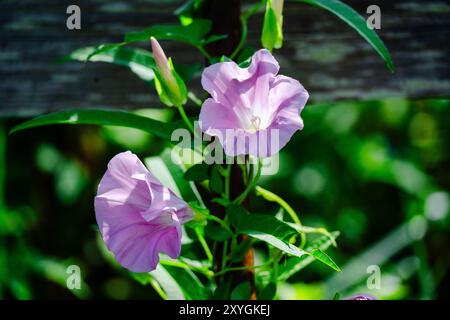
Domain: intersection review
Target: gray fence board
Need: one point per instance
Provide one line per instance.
(330, 59)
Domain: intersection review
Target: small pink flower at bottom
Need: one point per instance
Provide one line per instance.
(361, 297)
(138, 217)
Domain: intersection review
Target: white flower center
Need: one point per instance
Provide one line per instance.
(255, 124)
(251, 122)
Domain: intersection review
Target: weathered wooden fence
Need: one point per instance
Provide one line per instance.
(328, 57)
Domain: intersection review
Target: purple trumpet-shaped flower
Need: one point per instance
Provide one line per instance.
(361, 297)
(251, 110)
(138, 217)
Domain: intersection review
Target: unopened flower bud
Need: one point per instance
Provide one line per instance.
(272, 35)
(170, 87)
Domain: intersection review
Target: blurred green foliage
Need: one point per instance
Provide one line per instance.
(377, 171)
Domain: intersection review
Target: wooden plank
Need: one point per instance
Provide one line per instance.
(329, 58)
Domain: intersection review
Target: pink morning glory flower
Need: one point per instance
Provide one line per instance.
(251, 110)
(137, 216)
(361, 297)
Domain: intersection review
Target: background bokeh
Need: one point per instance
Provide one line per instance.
(373, 166)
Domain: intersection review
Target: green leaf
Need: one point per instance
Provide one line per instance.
(274, 232)
(192, 34)
(324, 258)
(215, 183)
(265, 228)
(242, 248)
(198, 172)
(222, 291)
(307, 230)
(103, 117)
(242, 291)
(245, 222)
(168, 168)
(179, 283)
(56, 271)
(216, 232)
(139, 61)
(276, 242)
(353, 19)
(189, 9)
(221, 201)
(268, 292)
(215, 38)
(201, 214)
(293, 264)
(143, 278)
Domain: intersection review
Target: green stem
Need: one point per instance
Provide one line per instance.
(204, 52)
(158, 289)
(227, 181)
(224, 255)
(322, 231)
(225, 270)
(205, 247)
(219, 221)
(243, 38)
(194, 99)
(250, 186)
(244, 172)
(183, 265)
(276, 256)
(270, 196)
(244, 18)
(254, 9)
(185, 118)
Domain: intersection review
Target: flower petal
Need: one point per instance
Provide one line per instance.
(216, 115)
(230, 84)
(286, 91)
(252, 110)
(118, 185)
(138, 217)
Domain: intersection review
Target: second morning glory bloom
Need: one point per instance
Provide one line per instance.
(361, 297)
(137, 216)
(252, 110)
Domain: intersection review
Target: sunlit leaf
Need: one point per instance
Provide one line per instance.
(241, 292)
(192, 34)
(168, 168)
(216, 183)
(274, 232)
(241, 249)
(179, 283)
(102, 117)
(139, 61)
(353, 19)
(216, 232)
(268, 292)
(265, 228)
(324, 258)
(198, 172)
(56, 271)
(293, 264)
